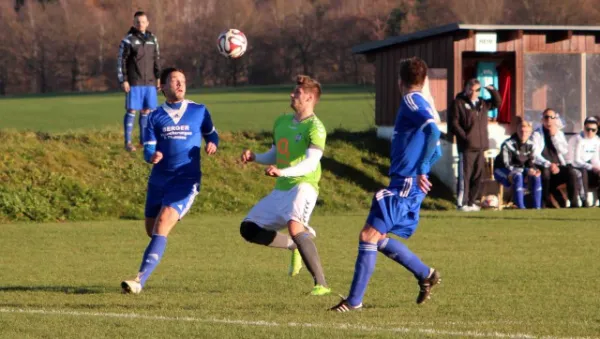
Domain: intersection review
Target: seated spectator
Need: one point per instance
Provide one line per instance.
(515, 164)
(551, 149)
(584, 159)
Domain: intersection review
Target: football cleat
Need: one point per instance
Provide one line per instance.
(131, 286)
(426, 285)
(343, 306)
(295, 263)
(130, 148)
(320, 290)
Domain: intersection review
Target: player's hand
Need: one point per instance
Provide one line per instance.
(553, 130)
(156, 157)
(533, 172)
(596, 169)
(210, 148)
(554, 168)
(125, 86)
(247, 156)
(273, 171)
(490, 87)
(424, 183)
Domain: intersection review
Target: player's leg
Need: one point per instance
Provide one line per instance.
(460, 183)
(297, 206)
(133, 103)
(403, 214)
(262, 223)
(149, 103)
(374, 230)
(535, 187)
(363, 268)
(478, 163)
(518, 194)
(175, 204)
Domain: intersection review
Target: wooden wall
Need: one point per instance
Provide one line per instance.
(446, 51)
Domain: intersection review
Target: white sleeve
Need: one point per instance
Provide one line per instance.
(596, 156)
(538, 147)
(309, 164)
(268, 158)
(579, 153)
(560, 142)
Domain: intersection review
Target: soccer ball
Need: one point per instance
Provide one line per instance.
(232, 43)
(490, 201)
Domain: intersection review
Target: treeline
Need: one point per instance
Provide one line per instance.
(72, 45)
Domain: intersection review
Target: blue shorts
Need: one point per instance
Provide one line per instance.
(176, 193)
(141, 97)
(396, 210)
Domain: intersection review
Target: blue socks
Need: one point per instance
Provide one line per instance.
(398, 252)
(518, 196)
(128, 121)
(152, 256)
(535, 183)
(143, 123)
(537, 191)
(363, 270)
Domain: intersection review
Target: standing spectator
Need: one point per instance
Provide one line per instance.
(516, 163)
(469, 123)
(551, 150)
(584, 159)
(138, 70)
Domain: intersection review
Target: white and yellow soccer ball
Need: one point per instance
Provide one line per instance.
(232, 43)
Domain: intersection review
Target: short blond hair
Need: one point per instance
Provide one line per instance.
(523, 122)
(309, 84)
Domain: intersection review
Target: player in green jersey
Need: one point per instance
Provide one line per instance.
(294, 159)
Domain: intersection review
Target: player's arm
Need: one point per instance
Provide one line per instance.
(156, 61)
(578, 154)
(495, 100)
(537, 139)
(506, 155)
(455, 127)
(437, 154)
(317, 136)
(308, 165)
(150, 154)
(124, 52)
(209, 133)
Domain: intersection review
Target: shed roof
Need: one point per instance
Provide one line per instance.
(440, 30)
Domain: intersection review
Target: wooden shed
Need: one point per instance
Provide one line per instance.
(540, 67)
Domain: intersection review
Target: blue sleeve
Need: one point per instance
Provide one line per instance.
(437, 154)
(149, 139)
(432, 137)
(209, 132)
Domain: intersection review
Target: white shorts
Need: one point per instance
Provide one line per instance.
(275, 210)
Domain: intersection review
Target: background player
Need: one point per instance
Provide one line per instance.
(298, 145)
(138, 71)
(173, 140)
(415, 148)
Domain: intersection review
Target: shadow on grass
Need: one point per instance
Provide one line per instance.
(57, 289)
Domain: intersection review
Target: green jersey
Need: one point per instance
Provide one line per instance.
(292, 139)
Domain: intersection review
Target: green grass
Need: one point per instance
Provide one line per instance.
(88, 175)
(510, 273)
(232, 109)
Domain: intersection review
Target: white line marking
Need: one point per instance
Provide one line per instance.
(430, 331)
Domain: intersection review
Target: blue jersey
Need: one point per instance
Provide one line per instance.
(176, 130)
(412, 151)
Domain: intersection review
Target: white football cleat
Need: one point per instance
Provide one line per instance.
(131, 286)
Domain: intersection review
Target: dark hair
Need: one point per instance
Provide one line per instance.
(139, 13)
(413, 72)
(468, 86)
(309, 84)
(164, 75)
(548, 110)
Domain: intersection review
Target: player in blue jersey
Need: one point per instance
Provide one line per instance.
(415, 148)
(172, 144)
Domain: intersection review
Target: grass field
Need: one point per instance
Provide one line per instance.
(511, 274)
(232, 109)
